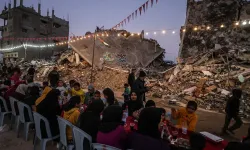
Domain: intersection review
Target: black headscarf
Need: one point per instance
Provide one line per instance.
(89, 121)
(111, 96)
(112, 118)
(96, 106)
(133, 105)
(148, 122)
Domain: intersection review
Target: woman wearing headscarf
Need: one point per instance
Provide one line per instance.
(20, 92)
(148, 136)
(46, 90)
(89, 121)
(110, 97)
(49, 108)
(134, 105)
(31, 99)
(111, 131)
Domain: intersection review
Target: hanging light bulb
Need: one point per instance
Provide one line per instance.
(173, 32)
(163, 31)
(102, 34)
(107, 35)
(208, 28)
(222, 26)
(195, 29)
(125, 34)
(133, 34)
(118, 34)
(146, 33)
(154, 33)
(244, 23)
(138, 33)
(184, 30)
(237, 23)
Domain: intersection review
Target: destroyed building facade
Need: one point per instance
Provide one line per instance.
(26, 22)
(210, 25)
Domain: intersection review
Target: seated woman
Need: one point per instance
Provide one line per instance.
(72, 113)
(186, 116)
(134, 105)
(89, 121)
(148, 136)
(111, 131)
(30, 100)
(50, 109)
(110, 97)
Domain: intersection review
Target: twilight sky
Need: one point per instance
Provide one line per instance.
(85, 15)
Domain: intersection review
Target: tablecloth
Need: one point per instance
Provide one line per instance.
(209, 144)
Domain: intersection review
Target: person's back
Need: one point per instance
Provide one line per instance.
(140, 142)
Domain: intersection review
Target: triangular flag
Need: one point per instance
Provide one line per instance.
(147, 4)
(156, 1)
(152, 2)
(124, 21)
(143, 8)
(140, 9)
(135, 13)
(128, 18)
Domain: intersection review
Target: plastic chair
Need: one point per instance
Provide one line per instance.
(97, 146)
(63, 124)
(14, 116)
(80, 137)
(21, 108)
(38, 118)
(6, 112)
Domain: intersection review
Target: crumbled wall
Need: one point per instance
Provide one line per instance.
(214, 13)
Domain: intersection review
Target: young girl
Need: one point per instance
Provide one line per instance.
(71, 113)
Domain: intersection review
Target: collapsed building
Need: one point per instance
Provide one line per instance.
(213, 60)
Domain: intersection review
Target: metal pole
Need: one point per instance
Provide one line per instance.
(93, 56)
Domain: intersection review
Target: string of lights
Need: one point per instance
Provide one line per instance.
(191, 28)
(26, 46)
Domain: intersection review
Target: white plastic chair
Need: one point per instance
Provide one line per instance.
(97, 146)
(38, 118)
(63, 124)
(15, 116)
(6, 112)
(80, 136)
(21, 108)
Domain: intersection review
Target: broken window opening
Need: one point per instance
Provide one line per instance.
(56, 25)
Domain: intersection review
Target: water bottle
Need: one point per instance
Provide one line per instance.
(184, 127)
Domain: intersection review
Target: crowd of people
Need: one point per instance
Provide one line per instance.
(103, 117)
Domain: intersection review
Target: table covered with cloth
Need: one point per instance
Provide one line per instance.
(131, 123)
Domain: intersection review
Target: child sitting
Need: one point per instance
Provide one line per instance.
(126, 93)
(71, 113)
(77, 91)
(186, 116)
(150, 103)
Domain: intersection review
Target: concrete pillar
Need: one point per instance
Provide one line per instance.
(9, 7)
(39, 8)
(53, 12)
(14, 3)
(21, 3)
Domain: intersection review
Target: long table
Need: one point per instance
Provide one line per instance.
(130, 121)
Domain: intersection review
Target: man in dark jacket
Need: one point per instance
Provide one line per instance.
(139, 87)
(131, 77)
(54, 77)
(232, 110)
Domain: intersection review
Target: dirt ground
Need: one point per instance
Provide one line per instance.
(208, 121)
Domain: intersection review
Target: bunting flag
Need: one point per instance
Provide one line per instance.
(140, 9)
(136, 13)
(124, 21)
(156, 1)
(152, 3)
(133, 15)
(147, 4)
(144, 7)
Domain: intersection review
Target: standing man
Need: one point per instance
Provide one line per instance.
(131, 77)
(54, 77)
(232, 110)
(139, 87)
